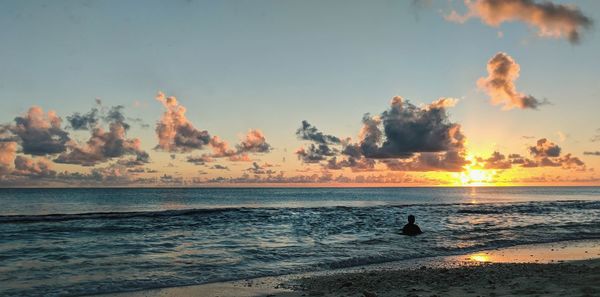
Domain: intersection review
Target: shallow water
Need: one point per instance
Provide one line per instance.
(82, 241)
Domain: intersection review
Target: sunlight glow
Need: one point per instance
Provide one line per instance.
(474, 176)
(480, 257)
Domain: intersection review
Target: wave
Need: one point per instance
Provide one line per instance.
(473, 208)
(529, 207)
(109, 215)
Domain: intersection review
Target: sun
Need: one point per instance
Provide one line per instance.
(476, 177)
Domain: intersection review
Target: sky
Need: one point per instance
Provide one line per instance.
(309, 93)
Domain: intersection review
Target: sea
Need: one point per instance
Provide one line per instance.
(71, 242)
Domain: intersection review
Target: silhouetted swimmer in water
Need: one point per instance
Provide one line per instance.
(411, 228)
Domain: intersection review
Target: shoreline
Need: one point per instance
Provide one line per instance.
(525, 269)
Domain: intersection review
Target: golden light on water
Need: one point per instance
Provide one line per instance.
(480, 257)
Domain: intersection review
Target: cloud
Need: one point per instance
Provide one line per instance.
(500, 161)
(115, 115)
(34, 168)
(315, 153)
(545, 148)
(136, 170)
(104, 145)
(86, 121)
(325, 177)
(40, 134)
(596, 153)
(551, 20)
(258, 169)
(408, 129)
(220, 167)
(569, 162)
(544, 153)
(311, 133)
(221, 148)
(500, 84)
(254, 142)
(451, 161)
(354, 164)
(8, 150)
(92, 119)
(175, 132)
(140, 122)
(404, 138)
(321, 146)
(199, 160)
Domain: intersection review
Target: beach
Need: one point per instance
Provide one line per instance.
(553, 269)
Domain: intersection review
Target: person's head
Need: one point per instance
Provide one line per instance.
(411, 219)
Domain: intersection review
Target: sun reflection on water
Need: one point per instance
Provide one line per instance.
(480, 257)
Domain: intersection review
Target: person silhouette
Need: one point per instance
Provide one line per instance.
(411, 228)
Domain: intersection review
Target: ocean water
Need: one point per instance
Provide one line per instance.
(68, 242)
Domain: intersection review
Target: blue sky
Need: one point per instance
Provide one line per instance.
(269, 65)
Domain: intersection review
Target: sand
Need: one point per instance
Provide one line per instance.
(556, 269)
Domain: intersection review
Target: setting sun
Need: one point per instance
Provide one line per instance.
(477, 177)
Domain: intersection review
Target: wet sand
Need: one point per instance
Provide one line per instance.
(556, 269)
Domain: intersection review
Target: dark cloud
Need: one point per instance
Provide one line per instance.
(321, 147)
(105, 145)
(503, 71)
(258, 169)
(40, 134)
(315, 153)
(551, 20)
(422, 136)
(92, 119)
(408, 129)
(498, 161)
(354, 164)
(545, 148)
(311, 133)
(86, 121)
(450, 161)
(543, 154)
(115, 115)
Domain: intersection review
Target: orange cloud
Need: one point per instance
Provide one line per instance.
(551, 20)
(503, 71)
(7, 156)
(175, 132)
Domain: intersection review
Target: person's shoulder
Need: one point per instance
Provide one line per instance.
(418, 229)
